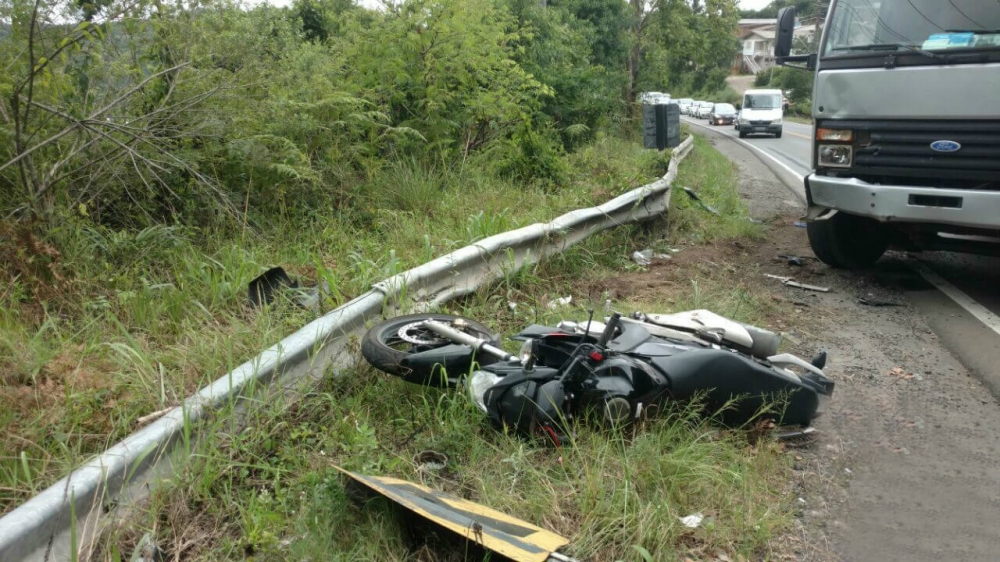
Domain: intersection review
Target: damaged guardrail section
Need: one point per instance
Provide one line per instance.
(66, 517)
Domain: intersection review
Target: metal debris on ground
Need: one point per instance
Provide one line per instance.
(870, 301)
(799, 224)
(793, 260)
(646, 257)
(702, 204)
(481, 526)
(789, 282)
(643, 258)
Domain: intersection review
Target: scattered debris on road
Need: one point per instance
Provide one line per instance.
(903, 375)
(793, 260)
(646, 257)
(799, 224)
(789, 282)
(870, 301)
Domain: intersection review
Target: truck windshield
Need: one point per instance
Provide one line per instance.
(876, 26)
(762, 101)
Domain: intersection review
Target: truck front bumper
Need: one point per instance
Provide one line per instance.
(901, 203)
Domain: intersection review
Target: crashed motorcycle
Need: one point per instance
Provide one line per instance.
(615, 371)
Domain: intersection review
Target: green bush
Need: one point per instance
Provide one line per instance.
(530, 155)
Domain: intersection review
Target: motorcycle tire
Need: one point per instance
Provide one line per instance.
(385, 349)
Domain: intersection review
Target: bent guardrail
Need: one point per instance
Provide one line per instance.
(67, 515)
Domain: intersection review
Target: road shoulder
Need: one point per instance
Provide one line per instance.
(908, 464)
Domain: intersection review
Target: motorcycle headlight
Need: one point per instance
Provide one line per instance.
(525, 352)
(479, 383)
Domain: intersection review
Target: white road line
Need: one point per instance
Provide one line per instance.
(980, 312)
(752, 147)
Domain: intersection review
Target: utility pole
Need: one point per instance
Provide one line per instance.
(819, 14)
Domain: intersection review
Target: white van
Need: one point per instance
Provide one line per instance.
(761, 113)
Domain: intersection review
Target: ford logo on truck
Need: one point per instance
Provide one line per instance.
(945, 146)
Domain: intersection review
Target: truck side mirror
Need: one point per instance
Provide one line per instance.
(739, 107)
(786, 32)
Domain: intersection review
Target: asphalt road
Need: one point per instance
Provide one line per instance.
(907, 465)
(964, 312)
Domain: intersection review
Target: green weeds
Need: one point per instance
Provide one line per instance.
(272, 491)
(267, 488)
(141, 320)
(713, 177)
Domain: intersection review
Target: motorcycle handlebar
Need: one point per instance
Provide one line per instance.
(609, 330)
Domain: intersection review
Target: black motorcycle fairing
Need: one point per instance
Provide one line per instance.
(629, 335)
(455, 359)
(721, 376)
(513, 401)
(662, 347)
(641, 378)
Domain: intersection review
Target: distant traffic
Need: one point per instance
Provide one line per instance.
(760, 112)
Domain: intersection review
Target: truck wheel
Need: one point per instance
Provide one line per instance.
(743, 134)
(778, 134)
(848, 241)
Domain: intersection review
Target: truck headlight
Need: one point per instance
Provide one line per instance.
(776, 121)
(834, 135)
(836, 155)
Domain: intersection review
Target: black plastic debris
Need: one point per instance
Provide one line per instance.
(869, 301)
(793, 260)
(702, 204)
(265, 287)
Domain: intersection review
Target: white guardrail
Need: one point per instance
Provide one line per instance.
(68, 514)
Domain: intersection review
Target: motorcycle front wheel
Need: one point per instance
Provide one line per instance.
(403, 347)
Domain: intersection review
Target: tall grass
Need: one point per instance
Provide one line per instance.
(145, 318)
(271, 490)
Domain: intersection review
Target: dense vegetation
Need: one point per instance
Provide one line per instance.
(155, 157)
(129, 113)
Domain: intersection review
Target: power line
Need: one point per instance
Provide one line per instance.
(959, 10)
(912, 5)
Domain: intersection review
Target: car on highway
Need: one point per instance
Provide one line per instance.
(684, 104)
(704, 110)
(722, 114)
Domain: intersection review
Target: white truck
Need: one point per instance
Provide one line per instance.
(906, 105)
(760, 113)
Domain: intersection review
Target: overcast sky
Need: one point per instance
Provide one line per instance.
(753, 4)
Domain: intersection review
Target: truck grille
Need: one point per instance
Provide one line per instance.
(759, 123)
(902, 149)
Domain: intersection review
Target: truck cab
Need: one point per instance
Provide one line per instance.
(906, 106)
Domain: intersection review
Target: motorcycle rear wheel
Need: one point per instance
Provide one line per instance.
(387, 344)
